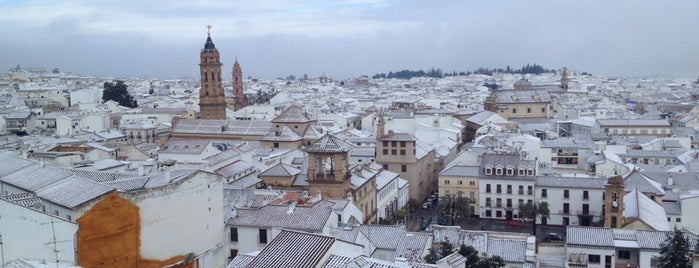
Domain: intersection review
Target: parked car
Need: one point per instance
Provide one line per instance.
(554, 237)
(515, 223)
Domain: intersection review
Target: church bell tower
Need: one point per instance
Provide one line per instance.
(212, 102)
(614, 202)
(238, 86)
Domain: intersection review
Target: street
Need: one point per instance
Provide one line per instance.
(422, 218)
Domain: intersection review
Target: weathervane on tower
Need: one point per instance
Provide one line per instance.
(208, 30)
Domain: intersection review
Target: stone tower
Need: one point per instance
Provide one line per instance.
(328, 167)
(614, 202)
(380, 128)
(238, 85)
(564, 79)
(212, 102)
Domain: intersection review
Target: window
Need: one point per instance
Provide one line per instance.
(385, 166)
(446, 181)
(529, 110)
(234, 252)
(394, 144)
(566, 208)
(385, 151)
(471, 183)
(678, 219)
(520, 172)
(487, 201)
(461, 182)
(234, 234)
(529, 190)
(566, 221)
(566, 194)
(521, 189)
(510, 172)
(530, 172)
(514, 110)
(586, 195)
(262, 236)
(543, 193)
(488, 171)
(498, 202)
(487, 188)
(385, 143)
(276, 145)
(593, 258)
(498, 214)
(402, 144)
(624, 254)
(509, 189)
(498, 189)
(543, 110)
(402, 151)
(498, 171)
(488, 213)
(393, 151)
(404, 168)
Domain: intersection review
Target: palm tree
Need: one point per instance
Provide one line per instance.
(532, 211)
(454, 207)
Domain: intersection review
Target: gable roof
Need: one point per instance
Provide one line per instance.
(639, 206)
(307, 218)
(293, 249)
(636, 180)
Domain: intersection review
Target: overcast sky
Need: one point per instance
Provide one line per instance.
(345, 38)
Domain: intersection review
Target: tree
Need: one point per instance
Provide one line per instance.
(471, 255)
(118, 92)
(445, 248)
(675, 251)
(491, 262)
(431, 256)
(532, 211)
(473, 261)
(454, 206)
(413, 204)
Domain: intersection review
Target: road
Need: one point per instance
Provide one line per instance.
(424, 217)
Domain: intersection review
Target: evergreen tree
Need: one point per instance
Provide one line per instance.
(445, 248)
(118, 92)
(471, 255)
(675, 252)
(492, 262)
(431, 256)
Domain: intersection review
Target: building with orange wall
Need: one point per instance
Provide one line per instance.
(171, 219)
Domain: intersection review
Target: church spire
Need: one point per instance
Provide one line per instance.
(212, 103)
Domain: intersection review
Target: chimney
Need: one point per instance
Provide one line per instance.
(670, 181)
(292, 206)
